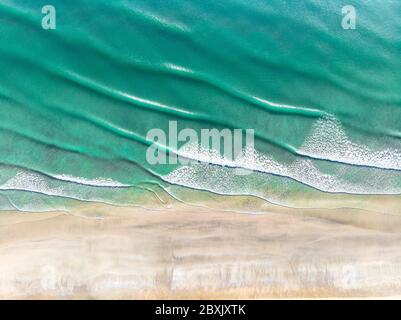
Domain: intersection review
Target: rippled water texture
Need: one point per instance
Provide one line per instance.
(77, 102)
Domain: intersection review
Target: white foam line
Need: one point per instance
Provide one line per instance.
(328, 141)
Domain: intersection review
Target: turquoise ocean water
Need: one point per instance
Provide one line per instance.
(77, 102)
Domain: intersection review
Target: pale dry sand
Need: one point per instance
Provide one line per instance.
(100, 251)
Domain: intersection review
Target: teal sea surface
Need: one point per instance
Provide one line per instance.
(77, 102)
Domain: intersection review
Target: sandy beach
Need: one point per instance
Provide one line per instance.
(99, 251)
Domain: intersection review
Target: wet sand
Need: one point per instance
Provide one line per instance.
(100, 251)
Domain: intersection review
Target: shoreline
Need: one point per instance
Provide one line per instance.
(100, 251)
